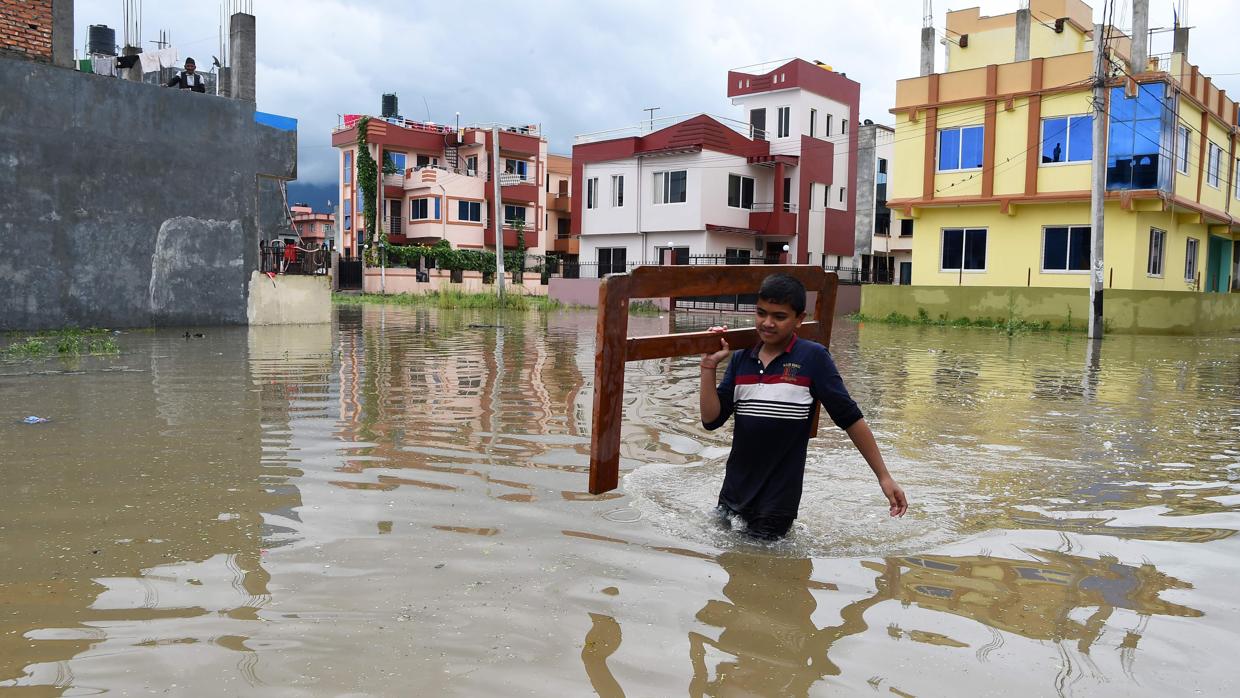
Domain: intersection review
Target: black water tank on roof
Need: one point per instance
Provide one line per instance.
(101, 39)
(389, 105)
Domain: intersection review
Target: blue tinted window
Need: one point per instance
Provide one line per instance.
(953, 248)
(971, 146)
(1136, 138)
(949, 149)
(1054, 140)
(1080, 138)
(399, 160)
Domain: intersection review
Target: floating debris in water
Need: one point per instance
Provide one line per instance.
(35, 420)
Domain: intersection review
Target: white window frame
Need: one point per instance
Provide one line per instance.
(783, 122)
(964, 244)
(1182, 145)
(1067, 143)
(419, 203)
(842, 192)
(471, 165)
(826, 126)
(469, 205)
(663, 188)
(592, 193)
(519, 167)
(813, 122)
(1192, 248)
(1155, 265)
(1067, 252)
(843, 126)
(617, 191)
(525, 212)
(741, 191)
(1214, 164)
(938, 147)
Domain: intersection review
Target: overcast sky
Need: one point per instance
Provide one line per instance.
(574, 66)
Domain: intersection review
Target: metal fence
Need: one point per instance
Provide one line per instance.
(277, 257)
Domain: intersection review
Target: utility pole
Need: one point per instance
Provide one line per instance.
(497, 213)
(1097, 194)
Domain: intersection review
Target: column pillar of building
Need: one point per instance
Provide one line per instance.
(242, 39)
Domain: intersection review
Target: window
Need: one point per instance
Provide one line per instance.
(1158, 241)
(1065, 248)
(548, 185)
(471, 165)
(842, 194)
(1235, 174)
(669, 187)
(563, 228)
(881, 177)
(1135, 146)
(813, 122)
(757, 123)
(906, 227)
(423, 161)
(348, 215)
(512, 214)
(964, 249)
(1067, 139)
(420, 209)
(1213, 165)
(611, 260)
(826, 126)
(960, 148)
(398, 159)
(826, 196)
(517, 167)
(785, 117)
(469, 211)
(679, 255)
(592, 192)
(843, 125)
(788, 194)
(359, 204)
(740, 191)
(736, 255)
(1181, 149)
(1190, 259)
(348, 168)
(617, 190)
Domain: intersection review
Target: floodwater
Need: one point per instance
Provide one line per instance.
(395, 505)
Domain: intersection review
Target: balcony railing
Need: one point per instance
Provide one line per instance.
(275, 257)
(767, 206)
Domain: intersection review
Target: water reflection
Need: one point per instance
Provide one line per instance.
(406, 489)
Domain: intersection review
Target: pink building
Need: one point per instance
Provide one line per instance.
(314, 228)
(442, 187)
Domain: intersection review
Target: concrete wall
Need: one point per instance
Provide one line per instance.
(289, 300)
(1125, 311)
(404, 280)
(127, 205)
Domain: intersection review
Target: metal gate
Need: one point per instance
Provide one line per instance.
(350, 271)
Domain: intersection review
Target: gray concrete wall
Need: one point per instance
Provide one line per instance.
(867, 167)
(127, 205)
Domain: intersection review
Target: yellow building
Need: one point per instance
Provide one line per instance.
(993, 160)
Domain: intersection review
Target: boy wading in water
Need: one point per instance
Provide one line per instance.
(772, 389)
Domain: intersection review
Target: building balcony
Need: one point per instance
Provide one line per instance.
(394, 180)
(567, 245)
(510, 237)
(513, 140)
(768, 219)
(514, 187)
(560, 203)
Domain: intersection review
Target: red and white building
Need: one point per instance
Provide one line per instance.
(442, 188)
(313, 228)
(775, 185)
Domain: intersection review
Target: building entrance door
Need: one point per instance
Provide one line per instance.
(906, 273)
(1218, 269)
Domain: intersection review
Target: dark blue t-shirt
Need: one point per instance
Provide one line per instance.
(774, 407)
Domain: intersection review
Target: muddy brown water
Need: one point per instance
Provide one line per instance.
(395, 505)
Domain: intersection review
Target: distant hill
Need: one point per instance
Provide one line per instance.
(316, 195)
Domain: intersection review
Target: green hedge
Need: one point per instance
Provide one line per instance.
(450, 258)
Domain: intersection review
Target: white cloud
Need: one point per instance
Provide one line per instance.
(573, 67)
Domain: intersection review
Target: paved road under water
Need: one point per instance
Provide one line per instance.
(395, 505)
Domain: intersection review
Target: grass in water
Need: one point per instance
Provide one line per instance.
(455, 298)
(67, 342)
(1010, 325)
